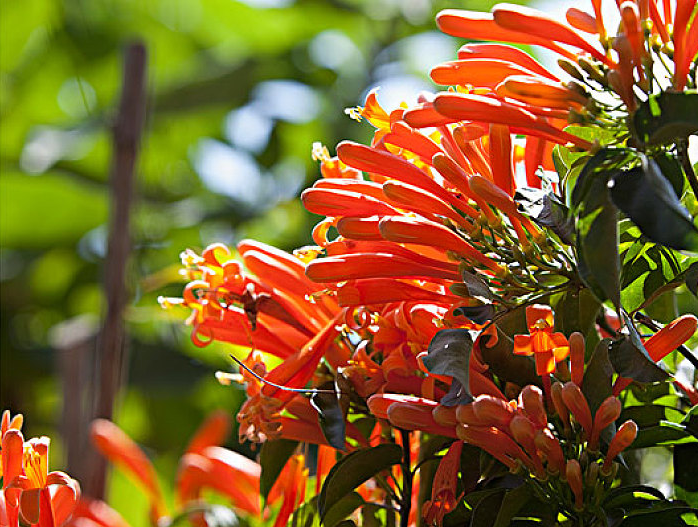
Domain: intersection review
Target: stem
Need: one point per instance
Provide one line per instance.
(682, 147)
(406, 503)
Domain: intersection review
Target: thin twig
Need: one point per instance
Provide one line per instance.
(406, 501)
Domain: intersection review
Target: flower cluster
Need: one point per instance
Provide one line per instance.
(435, 237)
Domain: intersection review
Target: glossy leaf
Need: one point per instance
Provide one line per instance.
(598, 376)
(449, 354)
(597, 227)
(665, 118)
(353, 469)
(649, 200)
(686, 466)
(272, 458)
(504, 364)
(343, 508)
(330, 415)
(546, 210)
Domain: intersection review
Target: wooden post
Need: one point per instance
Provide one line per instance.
(111, 351)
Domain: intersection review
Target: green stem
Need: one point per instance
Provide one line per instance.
(682, 147)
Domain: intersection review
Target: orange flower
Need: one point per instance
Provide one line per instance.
(120, 450)
(443, 494)
(547, 347)
(40, 497)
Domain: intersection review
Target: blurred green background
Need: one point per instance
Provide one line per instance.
(237, 94)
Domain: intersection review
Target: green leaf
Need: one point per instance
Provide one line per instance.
(576, 311)
(598, 376)
(512, 503)
(353, 469)
(629, 496)
(692, 278)
(597, 226)
(305, 515)
(686, 466)
(486, 511)
(668, 516)
(649, 200)
(449, 354)
(272, 459)
(332, 419)
(665, 433)
(343, 508)
(665, 118)
(504, 364)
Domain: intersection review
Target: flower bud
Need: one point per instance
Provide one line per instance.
(574, 479)
(445, 415)
(550, 446)
(607, 413)
(577, 358)
(624, 437)
(466, 415)
(532, 401)
(493, 411)
(560, 408)
(577, 404)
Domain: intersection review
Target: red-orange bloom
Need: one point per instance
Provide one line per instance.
(443, 494)
(547, 347)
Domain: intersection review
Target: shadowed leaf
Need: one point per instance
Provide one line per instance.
(352, 470)
(272, 458)
(649, 200)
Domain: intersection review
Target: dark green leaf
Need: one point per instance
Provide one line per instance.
(669, 516)
(576, 310)
(449, 354)
(547, 211)
(596, 225)
(305, 515)
(598, 376)
(648, 199)
(343, 508)
(686, 466)
(353, 469)
(478, 314)
(670, 168)
(485, 512)
(477, 287)
(504, 364)
(330, 415)
(630, 494)
(692, 278)
(665, 118)
(690, 421)
(665, 433)
(272, 459)
(512, 503)
(647, 415)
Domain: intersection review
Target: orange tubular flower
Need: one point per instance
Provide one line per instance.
(120, 450)
(547, 347)
(443, 493)
(96, 511)
(29, 492)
